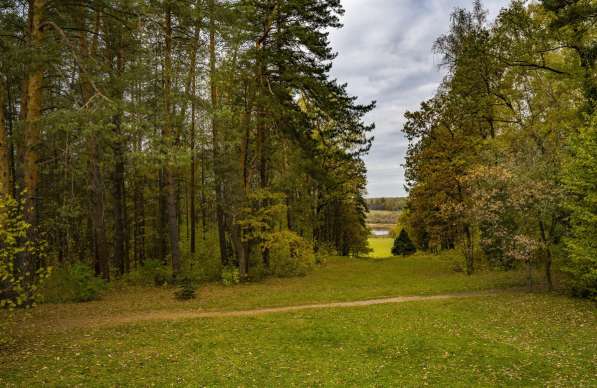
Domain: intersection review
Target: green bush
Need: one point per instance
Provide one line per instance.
(186, 289)
(151, 273)
(403, 245)
(205, 265)
(230, 275)
(290, 254)
(581, 185)
(72, 283)
(19, 282)
(324, 251)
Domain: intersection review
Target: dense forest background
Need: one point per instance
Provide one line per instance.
(201, 134)
(503, 159)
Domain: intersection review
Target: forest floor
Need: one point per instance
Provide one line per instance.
(465, 331)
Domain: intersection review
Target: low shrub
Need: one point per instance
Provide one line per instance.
(290, 254)
(230, 276)
(72, 283)
(151, 273)
(186, 289)
(324, 251)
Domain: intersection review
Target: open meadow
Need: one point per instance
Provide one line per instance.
(487, 331)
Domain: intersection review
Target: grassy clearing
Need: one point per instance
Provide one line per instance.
(507, 340)
(341, 279)
(382, 246)
(511, 339)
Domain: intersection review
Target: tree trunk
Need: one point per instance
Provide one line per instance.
(203, 197)
(469, 250)
(219, 184)
(97, 214)
(32, 130)
(118, 185)
(192, 95)
(139, 226)
(5, 175)
(167, 134)
(548, 257)
(162, 218)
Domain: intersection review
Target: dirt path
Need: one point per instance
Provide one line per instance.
(192, 314)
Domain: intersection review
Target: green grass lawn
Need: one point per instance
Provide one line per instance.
(509, 339)
(340, 279)
(381, 246)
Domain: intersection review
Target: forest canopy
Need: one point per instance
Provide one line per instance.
(502, 160)
(178, 131)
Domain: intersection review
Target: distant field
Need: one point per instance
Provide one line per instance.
(382, 246)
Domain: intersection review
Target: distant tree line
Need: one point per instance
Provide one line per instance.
(502, 160)
(389, 203)
(174, 130)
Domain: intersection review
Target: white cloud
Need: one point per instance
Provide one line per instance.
(385, 54)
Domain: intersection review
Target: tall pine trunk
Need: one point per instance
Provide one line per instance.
(468, 248)
(193, 184)
(32, 130)
(168, 136)
(121, 255)
(219, 184)
(5, 174)
(102, 263)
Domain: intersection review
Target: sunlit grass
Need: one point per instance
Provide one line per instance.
(509, 340)
(381, 246)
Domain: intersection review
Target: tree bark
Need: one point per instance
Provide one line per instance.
(32, 130)
(193, 185)
(548, 256)
(97, 185)
(118, 176)
(167, 134)
(469, 250)
(5, 175)
(219, 184)
(139, 225)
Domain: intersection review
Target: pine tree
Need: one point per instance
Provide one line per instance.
(403, 246)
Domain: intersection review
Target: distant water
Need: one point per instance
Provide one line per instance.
(380, 232)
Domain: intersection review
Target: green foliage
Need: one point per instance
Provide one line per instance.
(581, 183)
(403, 246)
(205, 264)
(73, 283)
(151, 273)
(230, 275)
(290, 254)
(187, 289)
(22, 263)
(324, 251)
(22, 259)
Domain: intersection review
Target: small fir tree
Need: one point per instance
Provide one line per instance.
(403, 246)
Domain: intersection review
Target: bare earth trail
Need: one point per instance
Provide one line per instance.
(117, 320)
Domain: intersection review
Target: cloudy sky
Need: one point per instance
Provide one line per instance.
(385, 54)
